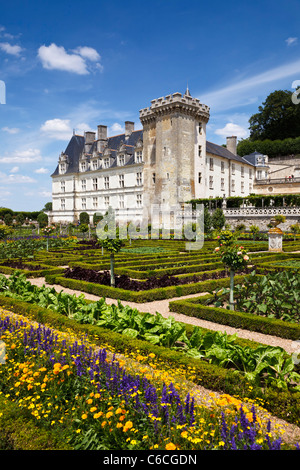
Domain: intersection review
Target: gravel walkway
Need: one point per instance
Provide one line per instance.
(162, 306)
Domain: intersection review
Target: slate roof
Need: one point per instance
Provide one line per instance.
(223, 152)
(76, 147)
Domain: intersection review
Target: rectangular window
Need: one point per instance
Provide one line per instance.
(106, 201)
(250, 188)
(199, 177)
(121, 201)
(83, 166)
(63, 186)
(95, 164)
(250, 173)
(106, 163)
(153, 178)
(199, 151)
(242, 187)
(122, 160)
(139, 200)
(233, 168)
(139, 179)
(259, 174)
(62, 204)
(222, 184)
(233, 185)
(83, 185)
(211, 182)
(211, 164)
(62, 167)
(222, 167)
(121, 181)
(95, 202)
(139, 157)
(106, 182)
(83, 203)
(95, 184)
(242, 171)
(200, 128)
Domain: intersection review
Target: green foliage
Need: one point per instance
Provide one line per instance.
(277, 118)
(275, 295)
(84, 218)
(5, 231)
(42, 219)
(218, 219)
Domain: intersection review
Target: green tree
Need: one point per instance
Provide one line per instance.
(113, 245)
(48, 206)
(42, 219)
(84, 218)
(207, 220)
(277, 118)
(218, 219)
(295, 229)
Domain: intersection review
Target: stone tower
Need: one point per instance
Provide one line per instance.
(174, 149)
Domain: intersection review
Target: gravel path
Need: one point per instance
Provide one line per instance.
(162, 306)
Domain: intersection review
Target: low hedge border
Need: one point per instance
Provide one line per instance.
(236, 319)
(19, 432)
(34, 273)
(285, 405)
(161, 293)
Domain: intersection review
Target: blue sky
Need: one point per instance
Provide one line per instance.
(72, 65)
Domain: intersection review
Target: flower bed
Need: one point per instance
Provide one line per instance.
(88, 397)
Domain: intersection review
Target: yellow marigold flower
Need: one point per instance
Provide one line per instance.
(93, 409)
(119, 425)
(89, 401)
(133, 442)
(128, 425)
(152, 355)
(170, 446)
(184, 434)
(103, 424)
(109, 414)
(84, 416)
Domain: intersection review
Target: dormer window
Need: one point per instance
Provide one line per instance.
(83, 166)
(95, 165)
(122, 160)
(106, 163)
(62, 168)
(139, 156)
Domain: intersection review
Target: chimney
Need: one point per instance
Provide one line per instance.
(102, 132)
(102, 138)
(89, 137)
(231, 144)
(129, 128)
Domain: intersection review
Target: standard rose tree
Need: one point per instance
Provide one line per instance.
(233, 256)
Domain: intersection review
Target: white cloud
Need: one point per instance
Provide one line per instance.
(23, 156)
(10, 130)
(116, 128)
(46, 194)
(41, 171)
(9, 49)
(15, 169)
(291, 41)
(239, 93)
(232, 129)
(58, 129)
(88, 53)
(55, 57)
(15, 179)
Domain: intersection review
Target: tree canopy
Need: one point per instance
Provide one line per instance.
(277, 118)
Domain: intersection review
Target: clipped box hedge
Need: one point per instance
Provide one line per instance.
(161, 293)
(285, 405)
(247, 321)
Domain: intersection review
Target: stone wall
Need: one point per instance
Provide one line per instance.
(261, 217)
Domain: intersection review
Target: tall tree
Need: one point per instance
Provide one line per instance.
(277, 118)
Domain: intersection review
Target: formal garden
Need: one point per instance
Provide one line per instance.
(89, 362)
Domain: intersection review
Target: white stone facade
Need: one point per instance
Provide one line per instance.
(168, 162)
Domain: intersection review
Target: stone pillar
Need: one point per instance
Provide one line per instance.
(275, 236)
